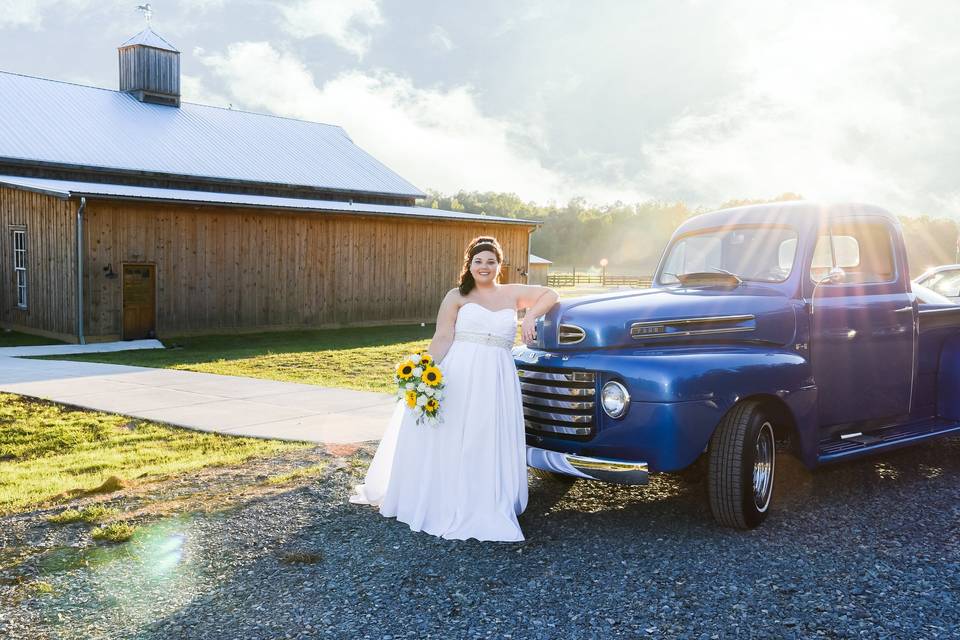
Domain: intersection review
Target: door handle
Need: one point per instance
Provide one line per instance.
(844, 333)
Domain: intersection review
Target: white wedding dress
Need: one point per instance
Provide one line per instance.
(467, 476)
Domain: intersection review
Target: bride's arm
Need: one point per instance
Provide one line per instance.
(537, 301)
(446, 319)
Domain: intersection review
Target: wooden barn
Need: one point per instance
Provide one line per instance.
(539, 269)
(129, 214)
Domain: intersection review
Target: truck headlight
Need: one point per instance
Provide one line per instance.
(615, 399)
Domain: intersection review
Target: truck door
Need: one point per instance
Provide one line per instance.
(863, 326)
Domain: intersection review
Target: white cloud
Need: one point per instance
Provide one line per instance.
(205, 5)
(440, 38)
(521, 14)
(20, 13)
(347, 22)
(826, 107)
(34, 14)
(30, 13)
(435, 138)
(192, 89)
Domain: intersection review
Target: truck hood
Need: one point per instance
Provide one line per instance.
(669, 316)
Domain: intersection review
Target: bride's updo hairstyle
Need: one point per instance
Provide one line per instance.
(477, 245)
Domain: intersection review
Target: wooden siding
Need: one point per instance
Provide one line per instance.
(51, 258)
(235, 269)
(149, 69)
(538, 274)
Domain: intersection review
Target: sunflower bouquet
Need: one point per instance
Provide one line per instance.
(420, 385)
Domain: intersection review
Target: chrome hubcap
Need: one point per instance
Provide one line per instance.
(763, 466)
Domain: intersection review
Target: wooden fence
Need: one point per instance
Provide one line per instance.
(572, 280)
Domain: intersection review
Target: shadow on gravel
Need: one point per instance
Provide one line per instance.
(675, 502)
(862, 549)
(884, 478)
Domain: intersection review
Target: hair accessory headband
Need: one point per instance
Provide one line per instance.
(485, 246)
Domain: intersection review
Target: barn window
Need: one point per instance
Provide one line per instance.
(20, 265)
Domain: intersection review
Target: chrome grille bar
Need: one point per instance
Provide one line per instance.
(580, 405)
(566, 376)
(553, 428)
(559, 417)
(558, 391)
(558, 402)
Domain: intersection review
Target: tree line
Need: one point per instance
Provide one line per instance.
(631, 236)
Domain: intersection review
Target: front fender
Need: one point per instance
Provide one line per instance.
(680, 394)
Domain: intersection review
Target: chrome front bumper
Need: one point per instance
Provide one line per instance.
(605, 469)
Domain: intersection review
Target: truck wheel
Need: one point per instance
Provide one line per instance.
(551, 476)
(741, 468)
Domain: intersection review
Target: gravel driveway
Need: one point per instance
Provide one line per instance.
(869, 549)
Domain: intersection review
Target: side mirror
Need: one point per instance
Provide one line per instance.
(836, 276)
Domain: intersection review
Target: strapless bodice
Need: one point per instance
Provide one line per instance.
(476, 323)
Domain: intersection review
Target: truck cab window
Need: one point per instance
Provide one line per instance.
(864, 252)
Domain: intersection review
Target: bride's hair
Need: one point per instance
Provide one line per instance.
(477, 245)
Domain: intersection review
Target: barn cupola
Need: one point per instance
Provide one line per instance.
(150, 69)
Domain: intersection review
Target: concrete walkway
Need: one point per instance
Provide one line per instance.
(205, 401)
(72, 349)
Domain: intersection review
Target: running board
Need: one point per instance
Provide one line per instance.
(862, 444)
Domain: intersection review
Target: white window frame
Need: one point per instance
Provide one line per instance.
(19, 240)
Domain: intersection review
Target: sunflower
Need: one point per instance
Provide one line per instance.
(432, 376)
(432, 405)
(405, 370)
(425, 358)
(411, 398)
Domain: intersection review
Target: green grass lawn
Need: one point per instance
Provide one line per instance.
(16, 339)
(49, 452)
(355, 358)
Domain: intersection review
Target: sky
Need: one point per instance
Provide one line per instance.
(693, 100)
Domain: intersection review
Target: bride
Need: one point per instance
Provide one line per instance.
(467, 476)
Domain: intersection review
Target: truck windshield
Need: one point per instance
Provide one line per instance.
(761, 254)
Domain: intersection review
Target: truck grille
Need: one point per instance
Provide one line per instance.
(558, 401)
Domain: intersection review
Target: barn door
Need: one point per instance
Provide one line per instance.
(139, 301)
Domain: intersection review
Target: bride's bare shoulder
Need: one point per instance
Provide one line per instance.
(514, 291)
(453, 298)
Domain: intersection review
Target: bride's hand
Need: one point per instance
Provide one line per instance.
(528, 329)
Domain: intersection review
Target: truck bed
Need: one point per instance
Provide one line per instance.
(937, 324)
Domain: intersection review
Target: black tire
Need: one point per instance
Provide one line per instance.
(742, 467)
(551, 476)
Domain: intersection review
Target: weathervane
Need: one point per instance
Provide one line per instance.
(146, 10)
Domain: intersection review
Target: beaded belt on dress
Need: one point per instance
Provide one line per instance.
(489, 339)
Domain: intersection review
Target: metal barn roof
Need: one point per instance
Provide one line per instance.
(45, 121)
(68, 189)
(149, 38)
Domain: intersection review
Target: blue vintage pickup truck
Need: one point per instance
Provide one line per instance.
(789, 326)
